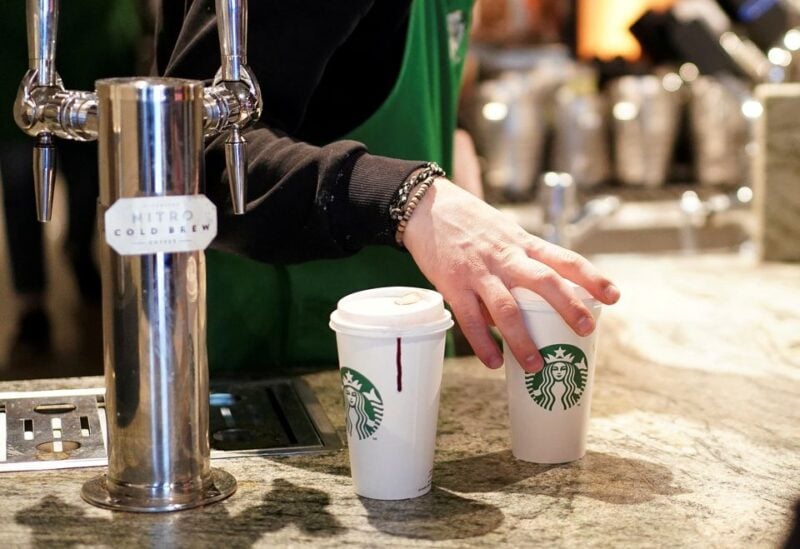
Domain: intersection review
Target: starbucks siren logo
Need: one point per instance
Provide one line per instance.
(563, 377)
(363, 404)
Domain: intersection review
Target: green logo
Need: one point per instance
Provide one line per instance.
(562, 379)
(363, 404)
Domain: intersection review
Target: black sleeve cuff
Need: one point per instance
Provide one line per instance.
(364, 196)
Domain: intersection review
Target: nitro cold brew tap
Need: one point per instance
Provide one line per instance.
(150, 133)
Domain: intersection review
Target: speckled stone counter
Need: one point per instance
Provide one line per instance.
(694, 442)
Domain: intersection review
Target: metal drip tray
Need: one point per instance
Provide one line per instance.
(61, 429)
(279, 416)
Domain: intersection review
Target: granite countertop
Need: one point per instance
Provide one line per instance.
(693, 443)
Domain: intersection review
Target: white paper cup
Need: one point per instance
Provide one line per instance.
(391, 352)
(549, 411)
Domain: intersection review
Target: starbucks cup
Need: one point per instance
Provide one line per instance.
(391, 353)
(549, 410)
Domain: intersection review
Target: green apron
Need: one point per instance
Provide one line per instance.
(264, 315)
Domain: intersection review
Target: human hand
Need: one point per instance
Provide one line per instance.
(474, 255)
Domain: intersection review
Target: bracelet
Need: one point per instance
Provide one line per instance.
(410, 207)
(397, 208)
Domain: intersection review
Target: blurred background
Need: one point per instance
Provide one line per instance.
(606, 126)
(619, 126)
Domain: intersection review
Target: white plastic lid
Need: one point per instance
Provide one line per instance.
(530, 300)
(395, 310)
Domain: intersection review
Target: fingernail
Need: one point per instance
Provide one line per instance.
(533, 363)
(495, 362)
(612, 293)
(585, 326)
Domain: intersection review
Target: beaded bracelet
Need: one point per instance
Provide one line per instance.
(397, 208)
(410, 207)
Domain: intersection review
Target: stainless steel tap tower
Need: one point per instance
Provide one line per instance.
(150, 138)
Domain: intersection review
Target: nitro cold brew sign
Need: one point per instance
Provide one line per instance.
(161, 224)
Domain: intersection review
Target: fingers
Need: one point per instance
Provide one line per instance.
(506, 315)
(556, 291)
(577, 269)
(468, 311)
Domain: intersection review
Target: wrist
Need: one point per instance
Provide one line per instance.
(418, 231)
(410, 195)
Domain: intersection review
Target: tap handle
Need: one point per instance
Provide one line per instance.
(44, 175)
(42, 26)
(236, 164)
(232, 29)
(42, 23)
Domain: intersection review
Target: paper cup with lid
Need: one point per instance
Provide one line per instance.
(549, 410)
(391, 352)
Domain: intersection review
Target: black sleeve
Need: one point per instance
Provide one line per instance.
(304, 202)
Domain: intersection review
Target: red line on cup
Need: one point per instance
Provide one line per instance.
(399, 365)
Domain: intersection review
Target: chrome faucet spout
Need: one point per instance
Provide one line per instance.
(236, 94)
(558, 197)
(566, 221)
(44, 175)
(697, 214)
(42, 25)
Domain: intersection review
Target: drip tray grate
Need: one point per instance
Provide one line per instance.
(60, 429)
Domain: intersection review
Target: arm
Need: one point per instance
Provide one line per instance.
(305, 201)
(310, 202)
